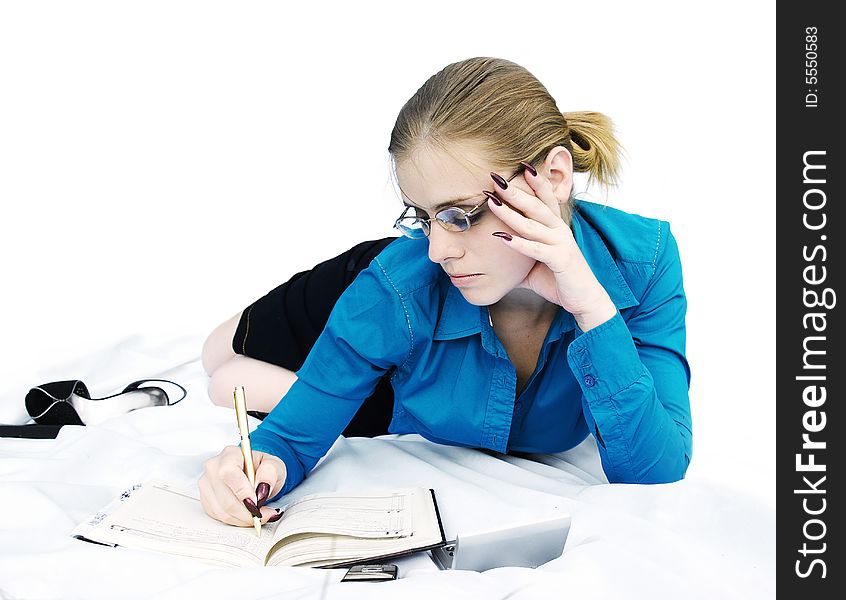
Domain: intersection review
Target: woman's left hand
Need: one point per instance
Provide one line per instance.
(561, 275)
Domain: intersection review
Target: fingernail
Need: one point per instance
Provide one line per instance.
(529, 168)
(262, 492)
(492, 197)
(506, 236)
(251, 506)
(277, 516)
(499, 181)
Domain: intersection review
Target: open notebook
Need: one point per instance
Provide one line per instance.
(335, 529)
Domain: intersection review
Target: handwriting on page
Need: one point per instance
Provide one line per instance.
(231, 537)
(375, 516)
(168, 516)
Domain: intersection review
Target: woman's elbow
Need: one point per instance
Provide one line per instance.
(664, 471)
(669, 471)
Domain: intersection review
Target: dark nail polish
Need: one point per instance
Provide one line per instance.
(506, 236)
(499, 181)
(492, 197)
(251, 506)
(529, 168)
(262, 492)
(276, 517)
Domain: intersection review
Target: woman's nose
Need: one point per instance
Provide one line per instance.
(443, 244)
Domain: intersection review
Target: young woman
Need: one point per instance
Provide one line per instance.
(509, 316)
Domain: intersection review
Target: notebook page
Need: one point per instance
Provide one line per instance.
(419, 521)
(381, 514)
(167, 518)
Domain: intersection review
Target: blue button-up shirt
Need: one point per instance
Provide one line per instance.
(625, 381)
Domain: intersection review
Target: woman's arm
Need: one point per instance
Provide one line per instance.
(367, 333)
(633, 373)
(635, 379)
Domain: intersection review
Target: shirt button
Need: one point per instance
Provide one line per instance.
(589, 380)
(519, 405)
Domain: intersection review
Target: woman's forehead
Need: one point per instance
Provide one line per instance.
(433, 177)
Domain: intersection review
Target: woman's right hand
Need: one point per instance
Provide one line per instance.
(226, 493)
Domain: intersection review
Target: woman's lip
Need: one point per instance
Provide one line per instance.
(464, 280)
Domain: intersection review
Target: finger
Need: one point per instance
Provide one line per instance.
(270, 470)
(524, 226)
(230, 507)
(213, 507)
(231, 504)
(270, 515)
(262, 487)
(535, 204)
(539, 251)
(542, 188)
(228, 486)
(232, 465)
(231, 457)
(262, 493)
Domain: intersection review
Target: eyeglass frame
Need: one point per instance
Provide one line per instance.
(427, 229)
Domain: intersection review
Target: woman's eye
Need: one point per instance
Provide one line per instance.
(474, 218)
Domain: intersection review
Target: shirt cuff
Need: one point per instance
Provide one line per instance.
(605, 360)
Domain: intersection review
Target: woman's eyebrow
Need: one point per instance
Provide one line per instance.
(456, 201)
(467, 201)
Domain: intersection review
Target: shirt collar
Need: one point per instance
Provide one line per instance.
(601, 262)
(459, 318)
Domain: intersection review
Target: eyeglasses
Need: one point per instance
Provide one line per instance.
(451, 218)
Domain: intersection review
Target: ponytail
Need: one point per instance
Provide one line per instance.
(595, 149)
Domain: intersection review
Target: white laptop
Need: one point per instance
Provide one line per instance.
(528, 545)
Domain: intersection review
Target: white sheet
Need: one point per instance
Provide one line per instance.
(691, 539)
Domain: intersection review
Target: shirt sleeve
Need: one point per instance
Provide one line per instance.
(367, 333)
(635, 380)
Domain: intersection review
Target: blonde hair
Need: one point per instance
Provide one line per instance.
(505, 111)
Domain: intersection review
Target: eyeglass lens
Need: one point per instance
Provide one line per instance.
(451, 218)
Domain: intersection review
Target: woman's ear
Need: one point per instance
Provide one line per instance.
(558, 168)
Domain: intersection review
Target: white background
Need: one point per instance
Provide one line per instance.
(164, 164)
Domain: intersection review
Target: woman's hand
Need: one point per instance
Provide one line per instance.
(561, 275)
(226, 493)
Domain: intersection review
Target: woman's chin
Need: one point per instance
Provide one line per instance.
(479, 297)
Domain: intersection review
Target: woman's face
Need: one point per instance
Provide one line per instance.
(479, 264)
